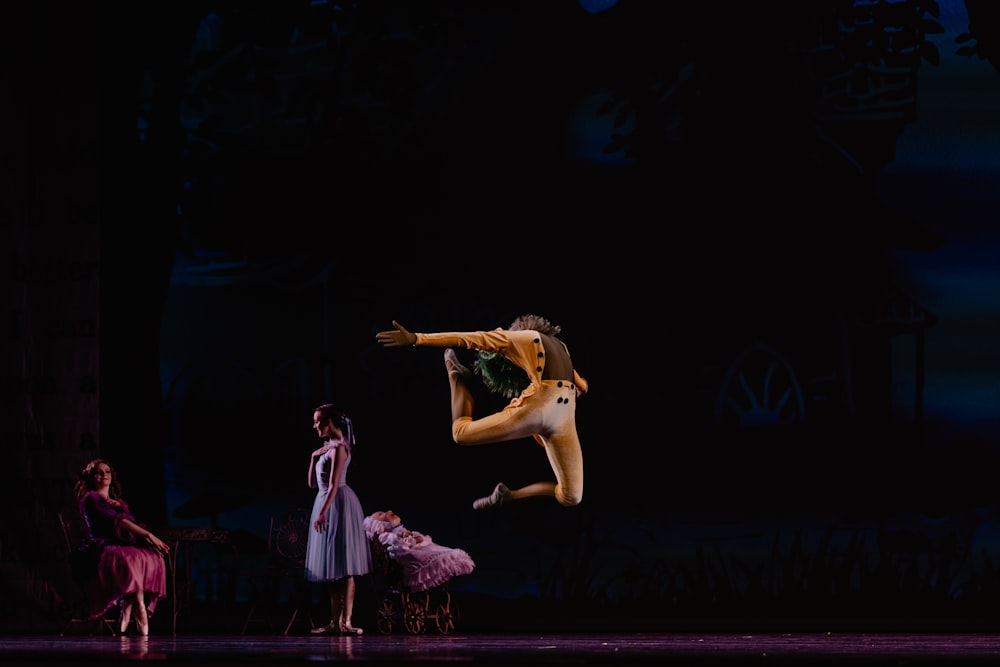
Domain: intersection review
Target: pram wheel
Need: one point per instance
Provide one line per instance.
(415, 614)
(400, 605)
(384, 616)
(446, 615)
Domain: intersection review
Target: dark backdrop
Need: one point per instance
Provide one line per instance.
(272, 196)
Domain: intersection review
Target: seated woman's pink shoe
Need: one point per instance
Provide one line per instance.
(142, 621)
(124, 617)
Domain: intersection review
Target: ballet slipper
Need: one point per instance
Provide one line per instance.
(494, 499)
(348, 629)
(454, 366)
(142, 622)
(328, 629)
(124, 617)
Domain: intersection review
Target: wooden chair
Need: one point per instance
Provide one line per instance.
(281, 581)
(74, 531)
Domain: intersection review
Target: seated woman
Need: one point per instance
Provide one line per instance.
(423, 563)
(130, 569)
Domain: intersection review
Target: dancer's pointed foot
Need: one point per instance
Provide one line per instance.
(124, 617)
(142, 620)
(454, 366)
(328, 629)
(494, 499)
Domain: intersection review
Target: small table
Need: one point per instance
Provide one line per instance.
(178, 536)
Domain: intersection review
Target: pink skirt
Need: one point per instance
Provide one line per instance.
(122, 571)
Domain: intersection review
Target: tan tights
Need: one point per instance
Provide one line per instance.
(548, 417)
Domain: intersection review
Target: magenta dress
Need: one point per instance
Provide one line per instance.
(123, 567)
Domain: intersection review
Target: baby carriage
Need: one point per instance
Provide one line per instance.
(412, 574)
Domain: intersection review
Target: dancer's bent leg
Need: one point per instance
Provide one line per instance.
(458, 376)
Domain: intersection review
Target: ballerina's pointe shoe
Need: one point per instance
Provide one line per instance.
(124, 618)
(348, 629)
(454, 366)
(142, 622)
(328, 629)
(495, 499)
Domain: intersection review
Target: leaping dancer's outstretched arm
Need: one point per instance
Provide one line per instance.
(398, 337)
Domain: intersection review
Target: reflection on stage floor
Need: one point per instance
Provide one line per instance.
(524, 650)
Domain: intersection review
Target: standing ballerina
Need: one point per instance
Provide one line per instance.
(337, 549)
(527, 362)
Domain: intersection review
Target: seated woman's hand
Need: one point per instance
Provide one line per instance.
(157, 544)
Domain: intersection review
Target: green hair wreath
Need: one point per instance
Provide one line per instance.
(499, 375)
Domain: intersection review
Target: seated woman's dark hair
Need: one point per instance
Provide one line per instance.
(85, 480)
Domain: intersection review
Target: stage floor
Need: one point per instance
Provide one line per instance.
(524, 650)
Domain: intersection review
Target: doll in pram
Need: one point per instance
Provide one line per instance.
(414, 573)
